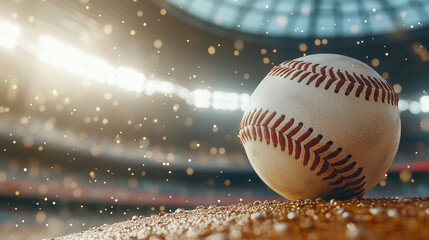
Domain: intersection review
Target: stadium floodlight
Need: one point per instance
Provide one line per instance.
(182, 92)
(49, 50)
(129, 79)
(166, 87)
(402, 105)
(78, 62)
(225, 100)
(424, 102)
(414, 107)
(201, 98)
(9, 34)
(150, 87)
(244, 99)
(163, 87)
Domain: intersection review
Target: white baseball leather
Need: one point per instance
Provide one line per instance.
(322, 125)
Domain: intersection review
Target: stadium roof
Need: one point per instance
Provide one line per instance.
(308, 18)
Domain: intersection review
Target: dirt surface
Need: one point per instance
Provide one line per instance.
(384, 218)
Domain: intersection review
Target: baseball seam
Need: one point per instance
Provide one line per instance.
(314, 72)
(341, 172)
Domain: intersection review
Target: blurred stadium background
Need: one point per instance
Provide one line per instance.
(110, 109)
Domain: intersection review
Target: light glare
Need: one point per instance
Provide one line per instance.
(402, 105)
(244, 99)
(424, 102)
(414, 107)
(225, 101)
(9, 34)
(201, 98)
(76, 61)
(79, 63)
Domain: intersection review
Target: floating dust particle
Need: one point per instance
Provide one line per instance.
(107, 30)
(222, 151)
(213, 151)
(397, 88)
(266, 60)
(189, 171)
(317, 42)
(375, 62)
(188, 122)
(238, 44)
(211, 50)
(227, 182)
(385, 75)
(157, 44)
(405, 175)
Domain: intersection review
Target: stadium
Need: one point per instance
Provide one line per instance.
(115, 109)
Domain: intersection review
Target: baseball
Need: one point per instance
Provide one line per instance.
(322, 125)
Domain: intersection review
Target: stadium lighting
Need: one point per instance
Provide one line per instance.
(424, 102)
(77, 62)
(182, 92)
(402, 105)
(9, 34)
(414, 107)
(201, 98)
(129, 79)
(156, 86)
(244, 99)
(225, 101)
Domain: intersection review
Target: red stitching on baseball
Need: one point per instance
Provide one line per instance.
(320, 80)
(300, 65)
(261, 117)
(306, 66)
(339, 75)
(324, 168)
(288, 73)
(293, 63)
(296, 74)
(322, 70)
(341, 162)
(314, 68)
(339, 171)
(303, 76)
(330, 81)
(312, 78)
(349, 89)
(316, 162)
(359, 90)
(373, 85)
(360, 180)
